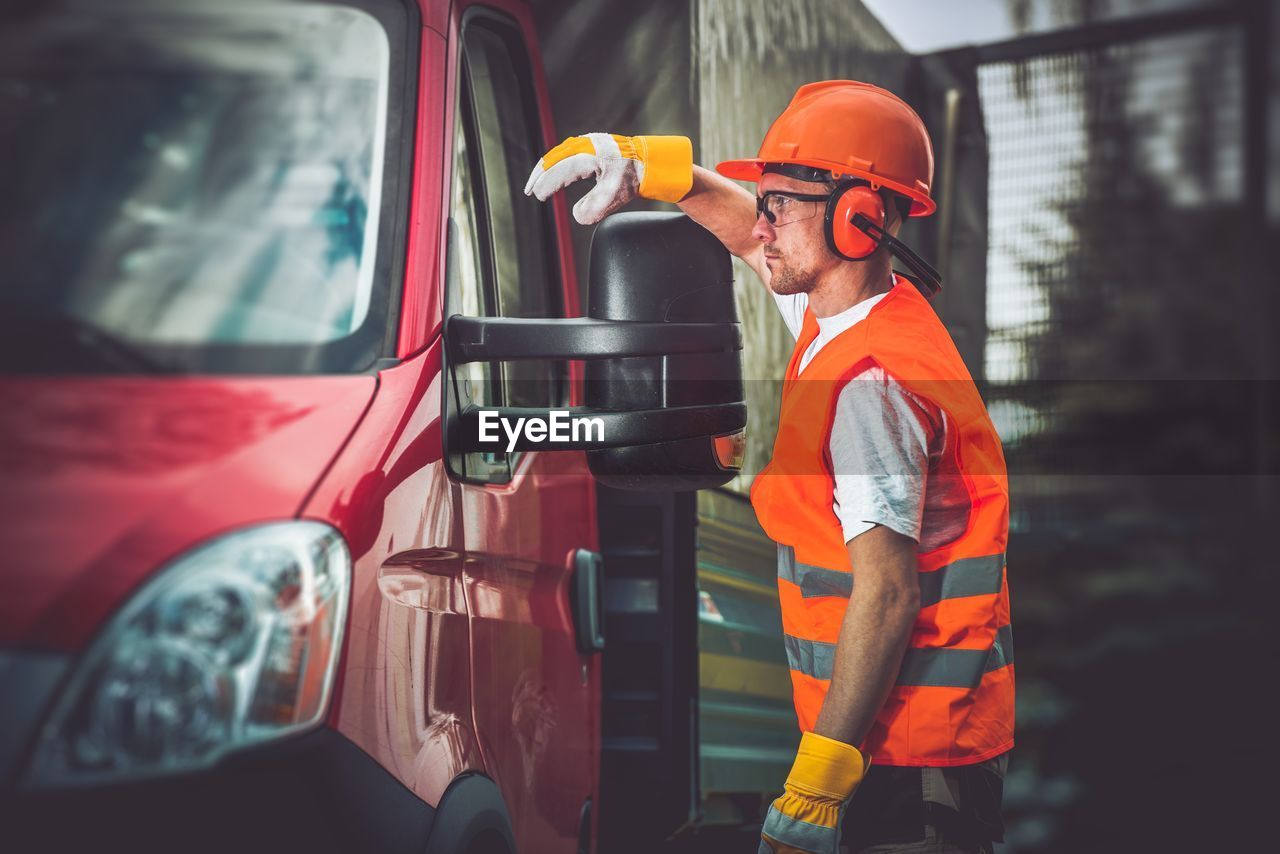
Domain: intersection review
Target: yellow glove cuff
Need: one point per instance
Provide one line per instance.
(668, 166)
(826, 768)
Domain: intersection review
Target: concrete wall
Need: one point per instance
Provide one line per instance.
(750, 56)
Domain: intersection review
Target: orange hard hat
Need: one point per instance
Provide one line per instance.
(849, 129)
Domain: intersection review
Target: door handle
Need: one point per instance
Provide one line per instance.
(586, 601)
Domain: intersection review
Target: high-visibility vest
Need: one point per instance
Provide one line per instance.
(952, 703)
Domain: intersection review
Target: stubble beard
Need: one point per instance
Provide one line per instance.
(787, 280)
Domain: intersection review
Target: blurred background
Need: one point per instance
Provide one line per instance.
(1109, 193)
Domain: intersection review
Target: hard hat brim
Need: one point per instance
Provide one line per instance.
(741, 170)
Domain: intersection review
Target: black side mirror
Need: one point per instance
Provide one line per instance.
(665, 268)
(665, 402)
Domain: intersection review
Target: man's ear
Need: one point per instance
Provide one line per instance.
(893, 217)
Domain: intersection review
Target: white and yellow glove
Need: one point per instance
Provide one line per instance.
(806, 819)
(652, 167)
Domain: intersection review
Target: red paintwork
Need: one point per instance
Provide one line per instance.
(108, 478)
(421, 309)
(405, 692)
(459, 652)
(435, 14)
(536, 701)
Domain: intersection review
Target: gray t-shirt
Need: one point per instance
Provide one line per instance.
(886, 447)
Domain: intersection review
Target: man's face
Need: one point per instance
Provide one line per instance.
(796, 253)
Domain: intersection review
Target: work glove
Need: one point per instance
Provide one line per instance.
(806, 819)
(652, 167)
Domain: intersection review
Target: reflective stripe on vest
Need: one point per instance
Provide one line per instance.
(940, 667)
(971, 576)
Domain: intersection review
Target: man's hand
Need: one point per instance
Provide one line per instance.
(652, 167)
(807, 816)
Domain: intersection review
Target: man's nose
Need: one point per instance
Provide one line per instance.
(763, 231)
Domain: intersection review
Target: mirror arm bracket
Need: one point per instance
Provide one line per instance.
(505, 339)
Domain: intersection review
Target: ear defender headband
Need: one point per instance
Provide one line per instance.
(854, 229)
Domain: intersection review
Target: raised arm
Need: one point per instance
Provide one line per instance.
(728, 211)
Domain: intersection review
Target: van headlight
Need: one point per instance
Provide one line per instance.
(234, 643)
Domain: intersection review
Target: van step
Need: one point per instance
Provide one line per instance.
(649, 760)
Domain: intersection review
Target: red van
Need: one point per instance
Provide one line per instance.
(272, 578)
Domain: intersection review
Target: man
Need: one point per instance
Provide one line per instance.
(887, 491)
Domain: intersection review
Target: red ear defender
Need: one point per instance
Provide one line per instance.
(847, 201)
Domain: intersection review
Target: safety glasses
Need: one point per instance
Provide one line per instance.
(783, 208)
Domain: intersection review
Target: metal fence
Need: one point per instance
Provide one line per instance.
(1128, 367)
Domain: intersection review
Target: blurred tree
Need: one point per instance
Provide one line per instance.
(1134, 562)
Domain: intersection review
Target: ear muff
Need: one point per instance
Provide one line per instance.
(845, 239)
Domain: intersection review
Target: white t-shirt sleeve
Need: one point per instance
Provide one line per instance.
(791, 307)
(880, 443)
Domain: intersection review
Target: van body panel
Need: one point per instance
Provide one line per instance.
(460, 653)
(403, 692)
(536, 698)
(536, 701)
(108, 478)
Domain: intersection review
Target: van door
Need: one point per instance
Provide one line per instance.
(525, 515)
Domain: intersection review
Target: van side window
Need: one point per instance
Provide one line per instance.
(468, 291)
(509, 142)
(500, 256)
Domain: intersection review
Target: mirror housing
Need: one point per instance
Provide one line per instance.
(662, 347)
(667, 269)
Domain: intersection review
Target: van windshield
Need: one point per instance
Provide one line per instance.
(193, 186)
